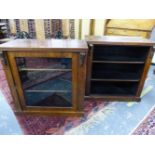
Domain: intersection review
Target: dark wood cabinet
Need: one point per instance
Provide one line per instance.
(117, 67)
(45, 76)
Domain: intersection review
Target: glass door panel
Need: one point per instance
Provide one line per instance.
(43, 63)
(46, 81)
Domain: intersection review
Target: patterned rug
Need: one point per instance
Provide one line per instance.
(57, 125)
(147, 126)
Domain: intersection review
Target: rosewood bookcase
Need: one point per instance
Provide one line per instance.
(117, 67)
(45, 75)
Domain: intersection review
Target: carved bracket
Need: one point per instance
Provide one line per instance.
(3, 58)
(82, 58)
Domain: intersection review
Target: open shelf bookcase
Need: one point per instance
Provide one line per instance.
(117, 67)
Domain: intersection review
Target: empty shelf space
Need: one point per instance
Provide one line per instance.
(45, 80)
(117, 71)
(113, 88)
(120, 53)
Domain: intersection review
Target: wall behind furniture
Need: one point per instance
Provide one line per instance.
(130, 27)
(46, 28)
(78, 28)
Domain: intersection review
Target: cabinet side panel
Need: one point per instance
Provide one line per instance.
(145, 71)
(75, 69)
(82, 80)
(11, 83)
(89, 69)
(16, 77)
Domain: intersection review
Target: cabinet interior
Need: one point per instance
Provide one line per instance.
(46, 81)
(117, 70)
(120, 53)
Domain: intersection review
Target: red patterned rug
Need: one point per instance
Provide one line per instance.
(147, 127)
(48, 125)
(57, 125)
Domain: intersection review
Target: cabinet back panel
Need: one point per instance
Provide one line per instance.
(120, 53)
(113, 88)
(116, 71)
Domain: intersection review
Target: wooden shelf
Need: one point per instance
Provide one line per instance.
(114, 97)
(120, 62)
(47, 91)
(117, 80)
(44, 69)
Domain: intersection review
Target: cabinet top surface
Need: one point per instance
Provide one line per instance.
(62, 44)
(119, 40)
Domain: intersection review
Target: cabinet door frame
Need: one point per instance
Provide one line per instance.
(50, 54)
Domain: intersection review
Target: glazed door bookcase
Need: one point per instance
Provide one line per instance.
(45, 80)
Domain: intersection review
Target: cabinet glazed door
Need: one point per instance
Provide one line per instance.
(45, 80)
